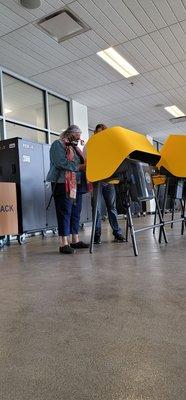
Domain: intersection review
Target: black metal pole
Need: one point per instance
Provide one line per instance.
(172, 221)
(96, 195)
(163, 211)
(173, 209)
(146, 228)
(161, 219)
(183, 216)
(155, 215)
(127, 230)
(132, 231)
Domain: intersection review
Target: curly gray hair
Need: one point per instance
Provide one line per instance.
(70, 131)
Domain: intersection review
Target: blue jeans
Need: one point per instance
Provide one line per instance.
(108, 193)
(68, 213)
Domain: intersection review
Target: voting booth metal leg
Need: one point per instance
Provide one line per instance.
(96, 195)
(163, 210)
(183, 216)
(130, 226)
(160, 218)
(127, 230)
(132, 231)
(155, 214)
(156, 197)
(173, 210)
(171, 222)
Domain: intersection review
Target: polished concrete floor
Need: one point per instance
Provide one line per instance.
(106, 326)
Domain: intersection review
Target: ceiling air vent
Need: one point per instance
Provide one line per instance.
(62, 25)
(178, 119)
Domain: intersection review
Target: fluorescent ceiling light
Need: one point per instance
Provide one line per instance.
(175, 111)
(113, 58)
(7, 111)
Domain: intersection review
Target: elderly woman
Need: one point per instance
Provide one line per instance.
(67, 175)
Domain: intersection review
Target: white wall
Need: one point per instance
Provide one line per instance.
(79, 116)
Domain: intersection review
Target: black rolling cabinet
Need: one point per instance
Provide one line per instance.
(51, 220)
(26, 163)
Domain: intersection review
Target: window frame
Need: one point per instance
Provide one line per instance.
(68, 110)
(46, 93)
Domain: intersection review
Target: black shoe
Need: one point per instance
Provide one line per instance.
(119, 238)
(97, 239)
(66, 250)
(79, 245)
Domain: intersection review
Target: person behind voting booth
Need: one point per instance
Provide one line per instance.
(67, 175)
(108, 193)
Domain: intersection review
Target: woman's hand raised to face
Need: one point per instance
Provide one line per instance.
(82, 167)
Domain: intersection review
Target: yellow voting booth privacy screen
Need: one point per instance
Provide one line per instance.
(8, 209)
(173, 156)
(106, 151)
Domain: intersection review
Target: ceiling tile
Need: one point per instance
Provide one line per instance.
(146, 53)
(140, 15)
(178, 8)
(155, 50)
(163, 45)
(116, 19)
(166, 11)
(173, 43)
(180, 36)
(19, 11)
(132, 55)
(103, 19)
(128, 17)
(153, 13)
(93, 23)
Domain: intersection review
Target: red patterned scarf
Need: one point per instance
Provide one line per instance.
(70, 176)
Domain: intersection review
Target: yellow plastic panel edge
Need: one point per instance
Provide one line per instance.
(173, 156)
(108, 149)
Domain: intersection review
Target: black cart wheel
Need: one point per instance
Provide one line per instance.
(2, 241)
(82, 226)
(55, 231)
(21, 238)
(7, 240)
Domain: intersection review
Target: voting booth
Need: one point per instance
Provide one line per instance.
(124, 157)
(172, 166)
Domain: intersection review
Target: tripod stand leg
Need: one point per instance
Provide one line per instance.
(96, 195)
